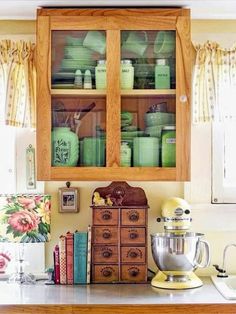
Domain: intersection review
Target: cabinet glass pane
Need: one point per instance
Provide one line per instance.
(78, 59)
(148, 60)
(148, 131)
(78, 131)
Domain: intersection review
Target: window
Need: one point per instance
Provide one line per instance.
(224, 161)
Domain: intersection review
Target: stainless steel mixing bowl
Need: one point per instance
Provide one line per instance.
(179, 252)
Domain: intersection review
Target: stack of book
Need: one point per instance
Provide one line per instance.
(72, 258)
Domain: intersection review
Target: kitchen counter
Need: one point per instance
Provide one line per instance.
(112, 298)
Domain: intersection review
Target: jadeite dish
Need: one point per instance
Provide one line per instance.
(131, 134)
(72, 65)
(159, 118)
(77, 52)
(155, 130)
(74, 41)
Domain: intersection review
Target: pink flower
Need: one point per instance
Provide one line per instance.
(27, 203)
(23, 221)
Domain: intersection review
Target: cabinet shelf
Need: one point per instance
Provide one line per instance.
(130, 92)
(148, 92)
(78, 92)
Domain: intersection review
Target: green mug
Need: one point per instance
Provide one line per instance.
(164, 43)
(96, 41)
(93, 152)
(136, 42)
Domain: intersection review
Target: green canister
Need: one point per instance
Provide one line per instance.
(168, 146)
(126, 74)
(125, 155)
(101, 75)
(65, 147)
(162, 74)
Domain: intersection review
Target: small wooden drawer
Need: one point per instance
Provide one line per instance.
(105, 273)
(133, 236)
(134, 273)
(105, 235)
(105, 254)
(133, 254)
(105, 216)
(133, 217)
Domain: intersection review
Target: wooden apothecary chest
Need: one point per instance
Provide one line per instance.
(119, 234)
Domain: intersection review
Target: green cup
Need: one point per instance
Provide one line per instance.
(93, 152)
(96, 41)
(136, 42)
(146, 152)
(164, 43)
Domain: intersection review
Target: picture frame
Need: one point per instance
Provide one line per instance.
(68, 199)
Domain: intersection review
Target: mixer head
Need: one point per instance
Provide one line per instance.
(176, 215)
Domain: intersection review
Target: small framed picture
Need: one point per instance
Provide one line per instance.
(68, 200)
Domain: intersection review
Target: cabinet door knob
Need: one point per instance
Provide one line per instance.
(133, 254)
(133, 235)
(106, 216)
(106, 235)
(107, 254)
(106, 273)
(134, 217)
(133, 273)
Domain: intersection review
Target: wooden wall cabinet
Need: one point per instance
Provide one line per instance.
(64, 45)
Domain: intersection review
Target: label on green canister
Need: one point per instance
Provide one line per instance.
(168, 147)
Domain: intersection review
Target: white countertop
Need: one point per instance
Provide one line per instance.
(108, 294)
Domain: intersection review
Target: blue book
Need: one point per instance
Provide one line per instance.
(80, 257)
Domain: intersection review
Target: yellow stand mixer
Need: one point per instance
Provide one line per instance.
(178, 252)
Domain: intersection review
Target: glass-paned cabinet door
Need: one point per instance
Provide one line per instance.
(148, 99)
(78, 101)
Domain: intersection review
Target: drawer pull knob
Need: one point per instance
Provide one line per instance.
(107, 254)
(106, 235)
(133, 254)
(133, 273)
(134, 217)
(133, 235)
(106, 273)
(106, 216)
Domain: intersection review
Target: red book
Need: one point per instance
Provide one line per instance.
(56, 265)
(70, 258)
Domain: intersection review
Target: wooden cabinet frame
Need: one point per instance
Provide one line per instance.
(113, 21)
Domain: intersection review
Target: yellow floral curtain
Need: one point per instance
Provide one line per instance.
(18, 82)
(214, 83)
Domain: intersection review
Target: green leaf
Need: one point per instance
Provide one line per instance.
(12, 211)
(16, 233)
(9, 229)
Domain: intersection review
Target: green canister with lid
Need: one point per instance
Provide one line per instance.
(168, 146)
(101, 75)
(126, 74)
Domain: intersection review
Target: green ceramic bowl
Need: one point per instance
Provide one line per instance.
(155, 130)
(159, 118)
(77, 52)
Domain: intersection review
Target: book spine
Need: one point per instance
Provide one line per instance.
(56, 265)
(69, 258)
(80, 257)
(89, 254)
(62, 255)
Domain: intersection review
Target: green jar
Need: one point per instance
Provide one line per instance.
(101, 75)
(126, 74)
(162, 74)
(125, 155)
(168, 146)
(65, 147)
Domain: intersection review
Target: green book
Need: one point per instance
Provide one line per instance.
(80, 257)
